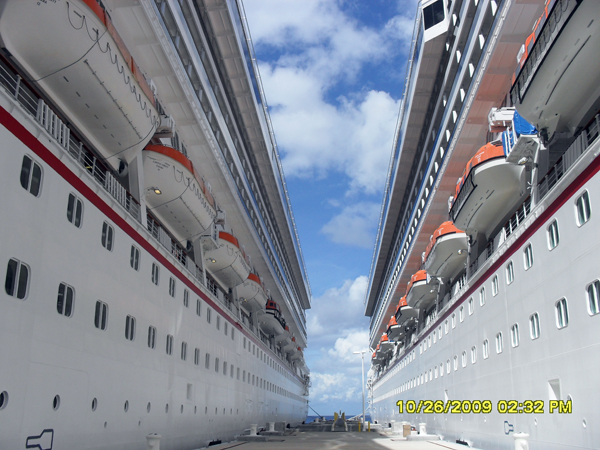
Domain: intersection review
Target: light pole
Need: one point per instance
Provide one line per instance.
(362, 355)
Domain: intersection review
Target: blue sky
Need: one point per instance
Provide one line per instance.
(333, 73)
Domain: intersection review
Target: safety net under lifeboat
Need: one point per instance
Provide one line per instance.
(557, 82)
(406, 316)
(104, 94)
(446, 253)
(176, 194)
(488, 191)
(252, 293)
(225, 259)
(272, 320)
(394, 331)
(421, 290)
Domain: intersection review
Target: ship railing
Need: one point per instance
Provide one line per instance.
(575, 150)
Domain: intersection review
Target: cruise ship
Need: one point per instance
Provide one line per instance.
(483, 294)
(154, 283)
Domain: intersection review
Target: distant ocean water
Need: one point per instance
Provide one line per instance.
(310, 419)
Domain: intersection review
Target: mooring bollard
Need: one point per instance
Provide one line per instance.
(422, 427)
(521, 442)
(253, 428)
(271, 426)
(153, 441)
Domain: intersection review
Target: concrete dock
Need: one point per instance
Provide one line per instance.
(303, 440)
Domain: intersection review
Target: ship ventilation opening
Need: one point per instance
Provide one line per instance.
(554, 389)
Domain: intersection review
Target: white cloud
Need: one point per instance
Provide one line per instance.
(320, 49)
(354, 225)
(345, 347)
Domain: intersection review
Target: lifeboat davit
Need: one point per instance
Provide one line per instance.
(406, 316)
(375, 359)
(104, 94)
(488, 191)
(272, 320)
(421, 290)
(558, 81)
(176, 194)
(252, 293)
(224, 258)
(394, 331)
(446, 253)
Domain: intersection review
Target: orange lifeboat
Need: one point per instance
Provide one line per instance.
(176, 194)
(252, 293)
(224, 258)
(557, 84)
(446, 253)
(272, 321)
(489, 190)
(394, 331)
(386, 344)
(406, 316)
(104, 94)
(421, 290)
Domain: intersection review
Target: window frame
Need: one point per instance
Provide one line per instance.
(515, 337)
(75, 210)
(528, 256)
(30, 176)
(135, 258)
(65, 300)
(561, 309)
(595, 285)
(510, 273)
(534, 326)
(101, 315)
(108, 236)
(130, 327)
(553, 235)
(585, 198)
(17, 289)
(499, 343)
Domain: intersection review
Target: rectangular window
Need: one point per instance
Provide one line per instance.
(225, 368)
(232, 333)
(198, 307)
(495, 286)
(155, 273)
(208, 311)
(101, 315)
(433, 14)
(17, 278)
(134, 258)
(528, 257)
(197, 356)
(130, 328)
(482, 297)
(534, 326)
(471, 307)
(225, 330)
(455, 363)
(231, 370)
(464, 359)
(584, 210)
(238, 373)
(107, 236)
(461, 313)
(453, 320)
(499, 344)
(510, 273)
(31, 176)
(562, 313)
(171, 287)
(217, 365)
(65, 300)
(218, 322)
(514, 335)
(151, 337)
(593, 291)
(473, 355)
(74, 210)
(169, 346)
(553, 237)
(183, 351)
(186, 298)
(486, 349)
(207, 361)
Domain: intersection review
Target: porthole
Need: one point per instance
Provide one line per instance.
(56, 403)
(126, 406)
(94, 404)
(3, 400)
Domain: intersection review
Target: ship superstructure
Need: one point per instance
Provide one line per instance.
(147, 230)
(483, 275)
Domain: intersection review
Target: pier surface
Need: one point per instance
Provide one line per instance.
(300, 440)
